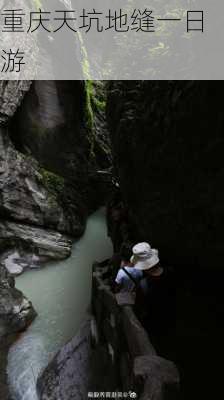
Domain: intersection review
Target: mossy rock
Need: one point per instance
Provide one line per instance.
(53, 183)
(95, 100)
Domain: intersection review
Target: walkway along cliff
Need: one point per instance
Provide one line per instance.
(133, 362)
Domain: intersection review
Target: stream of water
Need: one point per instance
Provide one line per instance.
(61, 294)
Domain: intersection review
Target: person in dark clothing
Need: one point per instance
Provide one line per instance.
(156, 304)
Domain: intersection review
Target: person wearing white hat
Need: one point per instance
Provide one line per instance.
(155, 307)
(146, 259)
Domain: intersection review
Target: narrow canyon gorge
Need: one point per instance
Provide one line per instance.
(73, 154)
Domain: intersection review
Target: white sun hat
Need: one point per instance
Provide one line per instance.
(144, 257)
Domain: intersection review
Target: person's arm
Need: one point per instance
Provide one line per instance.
(118, 282)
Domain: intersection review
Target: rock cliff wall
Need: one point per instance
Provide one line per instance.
(167, 140)
(50, 126)
(50, 152)
(15, 310)
(168, 148)
(16, 313)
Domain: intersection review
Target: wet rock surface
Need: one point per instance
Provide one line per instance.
(16, 311)
(67, 376)
(28, 246)
(78, 369)
(5, 344)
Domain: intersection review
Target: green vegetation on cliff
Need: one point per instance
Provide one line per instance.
(95, 100)
(52, 182)
(95, 103)
(89, 114)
